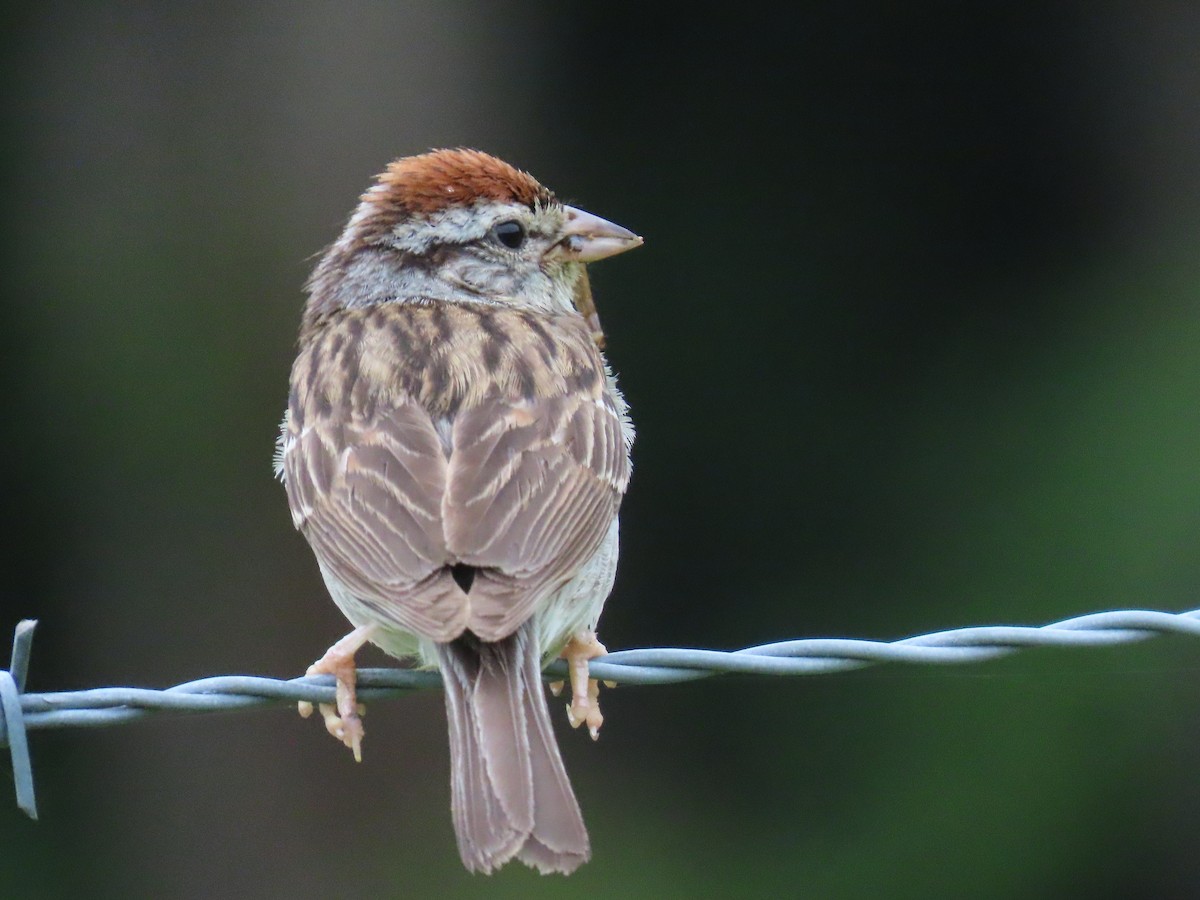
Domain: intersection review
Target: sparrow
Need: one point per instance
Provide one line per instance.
(455, 451)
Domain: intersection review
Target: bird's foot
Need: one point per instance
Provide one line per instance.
(342, 718)
(585, 691)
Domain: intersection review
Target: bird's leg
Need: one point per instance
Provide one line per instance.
(342, 718)
(585, 692)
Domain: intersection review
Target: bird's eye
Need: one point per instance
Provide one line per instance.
(510, 233)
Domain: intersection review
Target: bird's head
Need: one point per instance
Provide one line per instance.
(462, 226)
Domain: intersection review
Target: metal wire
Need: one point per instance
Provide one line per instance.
(23, 712)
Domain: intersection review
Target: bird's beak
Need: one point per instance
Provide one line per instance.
(588, 238)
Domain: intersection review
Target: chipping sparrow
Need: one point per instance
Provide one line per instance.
(455, 450)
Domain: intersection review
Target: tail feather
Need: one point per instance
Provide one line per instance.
(558, 823)
(493, 841)
(510, 795)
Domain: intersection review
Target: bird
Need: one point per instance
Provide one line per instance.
(455, 450)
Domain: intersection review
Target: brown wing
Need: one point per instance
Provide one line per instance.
(367, 495)
(532, 490)
(524, 487)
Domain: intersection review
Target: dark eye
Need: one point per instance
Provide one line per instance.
(511, 234)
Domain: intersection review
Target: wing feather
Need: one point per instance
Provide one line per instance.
(372, 490)
(530, 506)
(393, 485)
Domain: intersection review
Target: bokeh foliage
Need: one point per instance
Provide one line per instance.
(911, 345)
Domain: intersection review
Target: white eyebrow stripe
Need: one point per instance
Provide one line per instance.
(454, 225)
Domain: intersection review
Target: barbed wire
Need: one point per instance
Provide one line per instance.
(21, 712)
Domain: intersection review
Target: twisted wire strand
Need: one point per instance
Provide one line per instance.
(21, 712)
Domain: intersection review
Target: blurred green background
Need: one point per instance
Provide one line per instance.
(912, 344)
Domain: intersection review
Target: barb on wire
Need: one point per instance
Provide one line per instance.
(12, 720)
(21, 712)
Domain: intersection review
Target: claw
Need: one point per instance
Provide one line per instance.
(589, 712)
(347, 729)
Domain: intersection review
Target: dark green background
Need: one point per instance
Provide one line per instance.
(912, 344)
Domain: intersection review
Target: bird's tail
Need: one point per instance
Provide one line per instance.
(510, 795)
